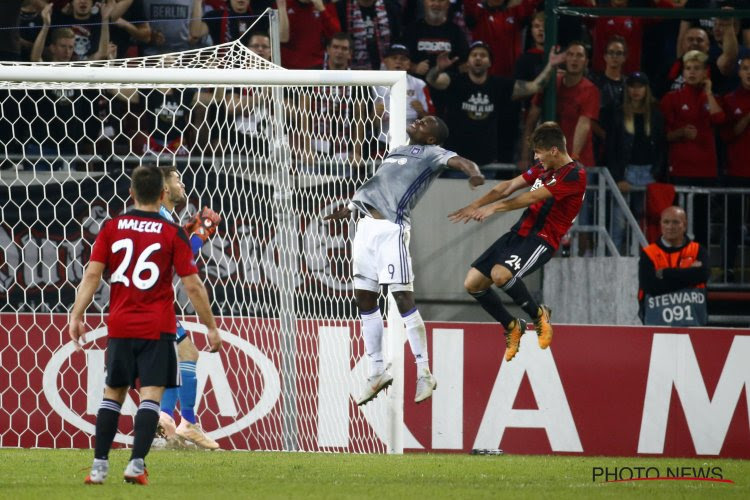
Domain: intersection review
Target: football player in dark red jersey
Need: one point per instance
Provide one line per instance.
(557, 187)
(142, 251)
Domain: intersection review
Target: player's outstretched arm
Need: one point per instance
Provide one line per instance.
(341, 213)
(199, 298)
(469, 168)
(499, 192)
(520, 201)
(90, 282)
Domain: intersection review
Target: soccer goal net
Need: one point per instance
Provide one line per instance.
(271, 150)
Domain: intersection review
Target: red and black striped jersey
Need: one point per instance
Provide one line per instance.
(550, 219)
(142, 250)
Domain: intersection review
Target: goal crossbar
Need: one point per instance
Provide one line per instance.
(196, 76)
(185, 77)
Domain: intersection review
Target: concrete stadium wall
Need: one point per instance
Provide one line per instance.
(442, 252)
(592, 290)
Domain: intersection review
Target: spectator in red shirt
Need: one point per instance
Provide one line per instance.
(721, 60)
(736, 134)
(499, 25)
(577, 105)
(311, 23)
(689, 116)
(629, 28)
(735, 131)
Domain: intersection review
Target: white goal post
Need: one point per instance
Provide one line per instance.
(268, 148)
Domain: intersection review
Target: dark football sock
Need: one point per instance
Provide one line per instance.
(144, 427)
(490, 302)
(106, 427)
(521, 296)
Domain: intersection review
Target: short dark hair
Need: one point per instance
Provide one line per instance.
(582, 44)
(479, 44)
(548, 135)
(440, 131)
(166, 170)
(262, 33)
(342, 37)
(147, 183)
(617, 39)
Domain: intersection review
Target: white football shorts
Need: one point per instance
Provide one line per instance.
(380, 254)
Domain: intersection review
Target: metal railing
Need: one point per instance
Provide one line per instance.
(605, 214)
(718, 218)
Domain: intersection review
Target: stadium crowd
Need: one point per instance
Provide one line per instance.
(653, 99)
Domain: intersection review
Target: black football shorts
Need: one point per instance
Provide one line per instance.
(154, 362)
(521, 255)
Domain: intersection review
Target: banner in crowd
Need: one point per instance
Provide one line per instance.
(618, 391)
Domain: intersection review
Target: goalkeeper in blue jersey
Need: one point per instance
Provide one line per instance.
(200, 227)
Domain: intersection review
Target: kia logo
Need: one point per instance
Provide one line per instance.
(95, 359)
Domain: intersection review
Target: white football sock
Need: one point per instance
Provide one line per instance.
(372, 331)
(417, 335)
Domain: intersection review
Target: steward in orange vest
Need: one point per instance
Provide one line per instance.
(665, 267)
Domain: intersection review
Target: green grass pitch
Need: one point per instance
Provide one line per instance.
(53, 474)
